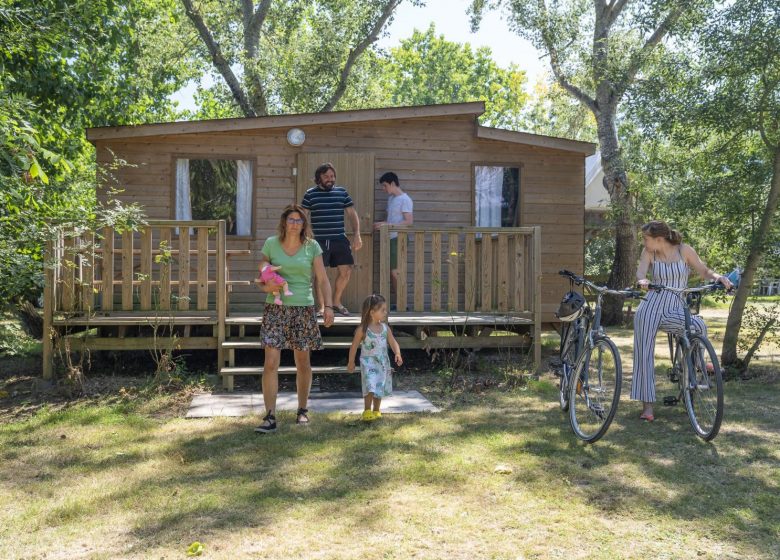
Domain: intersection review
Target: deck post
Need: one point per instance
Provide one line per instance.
(227, 381)
(48, 311)
(384, 263)
(537, 237)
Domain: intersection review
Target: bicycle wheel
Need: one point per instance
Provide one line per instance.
(570, 345)
(703, 389)
(595, 391)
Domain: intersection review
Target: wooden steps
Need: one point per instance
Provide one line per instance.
(285, 370)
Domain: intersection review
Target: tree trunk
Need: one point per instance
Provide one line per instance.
(734, 322)
(616, 183)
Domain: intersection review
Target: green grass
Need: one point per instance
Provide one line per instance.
(115, 480)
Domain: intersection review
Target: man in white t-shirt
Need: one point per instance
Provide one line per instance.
(399, 212)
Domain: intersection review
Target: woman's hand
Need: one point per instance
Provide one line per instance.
(399, 361)
(269, 286)
(643, 284)
(725, 281)
(351, 367)
(327, 316)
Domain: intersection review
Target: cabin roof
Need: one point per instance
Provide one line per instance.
(474, 109)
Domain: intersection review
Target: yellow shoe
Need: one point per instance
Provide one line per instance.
(377, 415)
(367, 416)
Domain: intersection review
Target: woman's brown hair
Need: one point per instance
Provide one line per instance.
(306, 234)
(369, 304)
(658, 228)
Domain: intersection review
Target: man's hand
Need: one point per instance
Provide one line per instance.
(357, 243)
(378, 225)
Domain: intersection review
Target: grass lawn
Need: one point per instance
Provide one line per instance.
(124, 476)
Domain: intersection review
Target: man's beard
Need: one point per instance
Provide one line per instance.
(327, 187)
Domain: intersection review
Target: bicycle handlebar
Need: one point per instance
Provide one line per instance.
(579, 280)
(714, 287)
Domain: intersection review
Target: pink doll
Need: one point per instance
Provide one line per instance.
(268, 273)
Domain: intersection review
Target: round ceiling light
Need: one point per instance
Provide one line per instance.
(295, 136)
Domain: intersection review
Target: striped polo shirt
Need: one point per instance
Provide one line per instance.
(327, 211)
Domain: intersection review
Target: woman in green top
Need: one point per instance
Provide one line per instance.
(292, 325)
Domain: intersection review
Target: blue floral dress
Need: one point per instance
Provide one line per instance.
(376, 373)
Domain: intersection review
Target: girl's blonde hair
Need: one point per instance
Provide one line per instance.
(658, 228)
(371, 303)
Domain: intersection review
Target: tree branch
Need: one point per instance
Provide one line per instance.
(253, 22)
(355, 53)
(638, 58)
(218, 58)
(614, 10)
(580, 95)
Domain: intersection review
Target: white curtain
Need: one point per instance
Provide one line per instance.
(183, 204)
(244, 198)
(489, 183)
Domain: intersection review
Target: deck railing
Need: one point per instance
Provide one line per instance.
(465, 270)
(165, 266)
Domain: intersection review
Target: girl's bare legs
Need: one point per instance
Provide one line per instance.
(377, 402)
(367, 401)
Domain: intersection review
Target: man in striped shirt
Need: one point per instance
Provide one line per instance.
(327, 204)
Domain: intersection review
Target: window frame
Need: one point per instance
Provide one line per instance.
(521, 180)
(253, 165)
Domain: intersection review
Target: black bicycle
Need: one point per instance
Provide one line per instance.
(695, 367)
(590, 369)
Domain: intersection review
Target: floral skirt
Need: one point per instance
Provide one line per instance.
(290, 327)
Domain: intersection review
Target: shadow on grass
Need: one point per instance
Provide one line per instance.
(227, 477)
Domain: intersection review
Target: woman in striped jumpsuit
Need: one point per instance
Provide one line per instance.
(671, 261)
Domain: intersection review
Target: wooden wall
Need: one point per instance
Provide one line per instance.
(433, 157)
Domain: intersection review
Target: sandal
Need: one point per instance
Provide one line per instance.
(302, 416)
(269, 424)
(319, 314)
(646, 417)
(341, 310)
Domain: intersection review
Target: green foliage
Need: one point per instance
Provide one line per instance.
(428, 69)
(553, 112)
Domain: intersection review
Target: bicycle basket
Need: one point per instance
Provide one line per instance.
(694, 302)
(571, 307)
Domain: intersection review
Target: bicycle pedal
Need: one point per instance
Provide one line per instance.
(670, 401)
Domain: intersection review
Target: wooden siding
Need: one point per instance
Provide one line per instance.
(433, 158)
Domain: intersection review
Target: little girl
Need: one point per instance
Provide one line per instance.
(373, 336)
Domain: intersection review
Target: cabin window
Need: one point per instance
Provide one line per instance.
(497, 196)
(215, 189)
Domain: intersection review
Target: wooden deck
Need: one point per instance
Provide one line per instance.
(102, 293)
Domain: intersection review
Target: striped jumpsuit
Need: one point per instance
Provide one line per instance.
(661, 310)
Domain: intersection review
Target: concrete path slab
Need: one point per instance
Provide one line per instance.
(243, 404)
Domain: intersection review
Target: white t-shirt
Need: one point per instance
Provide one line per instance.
(396, 206)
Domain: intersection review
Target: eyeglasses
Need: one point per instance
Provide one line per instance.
(298, 221)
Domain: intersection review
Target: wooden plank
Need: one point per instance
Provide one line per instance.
(48, 311)
(419, 271)
(486, 280)
(453, 259)
(384, 264)
(436, 279)
(165, 268)
(503, 272)
(402, 256)
(203, 269)
(519, 273)
(184, 268)
(139, 343)
(221, 296)
(107, 270)
(471, 273)
(537, 282)
(68, 272)
(127, 270)
(87, 265)
(146, 269)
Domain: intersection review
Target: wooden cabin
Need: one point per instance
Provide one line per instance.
(496, 215)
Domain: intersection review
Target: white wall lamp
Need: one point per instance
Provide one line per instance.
(296, 137)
